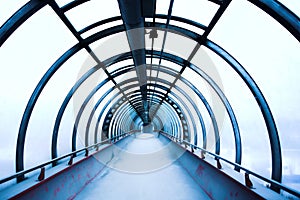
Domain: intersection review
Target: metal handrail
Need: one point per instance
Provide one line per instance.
(217, 157)
(57, 159)
(280, 185)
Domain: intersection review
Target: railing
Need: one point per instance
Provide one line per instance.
(71, 155)
(95, 146)
(237, 166)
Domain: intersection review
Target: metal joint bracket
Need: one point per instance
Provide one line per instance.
(42, 174)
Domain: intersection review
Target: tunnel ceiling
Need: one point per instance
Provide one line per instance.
(88, 71)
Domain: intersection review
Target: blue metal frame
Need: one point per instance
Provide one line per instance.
(278, 11)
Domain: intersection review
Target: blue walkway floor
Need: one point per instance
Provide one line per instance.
(145, 169)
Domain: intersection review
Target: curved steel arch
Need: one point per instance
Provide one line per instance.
(186, 108)
(199, 94)
(174, 128)
(123, 116)
(220, 94)
(158, 93)
(120, 122)
(218, 91)
(204, 136)
(264, 107)
(36, 93)
(132, 127)
(113, 107)
(128, 87)
(210, 112)
(78, 116)
(261, 101)
(183, 119)
(196, 110)
(123, 123)
(119, 127)
(274, 8)
(281, 14)
(231, 117)
(119, 72)
(94, 110)
(114, 122)
(31, 103)
(98, 120)
(64, 106)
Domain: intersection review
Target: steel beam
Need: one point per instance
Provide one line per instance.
(131, 12)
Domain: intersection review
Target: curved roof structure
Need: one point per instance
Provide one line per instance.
(217, 75)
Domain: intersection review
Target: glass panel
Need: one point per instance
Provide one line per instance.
(121, 78)
(247, 113)
(187, 27)
(63, 2)
(210, 97)
(130, 84)
(57, 88)
(97, 113)
(271, 56)
(91, 12)
(179, 46)
(171, 65)
(101, 28)
(197, 10)
(125, 77)
(166, 77)
(161, 90)
(162, 6)
(131, 90)
(84, 91)
(25, 57)
(8, 8)
(192, 116)
(111, 46)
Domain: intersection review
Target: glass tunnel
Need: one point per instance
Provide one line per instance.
(215, 78)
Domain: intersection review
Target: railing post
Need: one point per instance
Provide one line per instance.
(42, 174)
(248, 182)
(219, 164)
(71, 160)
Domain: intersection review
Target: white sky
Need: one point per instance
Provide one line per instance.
(260, 44)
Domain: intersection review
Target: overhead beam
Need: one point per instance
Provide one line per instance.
(132, 15)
